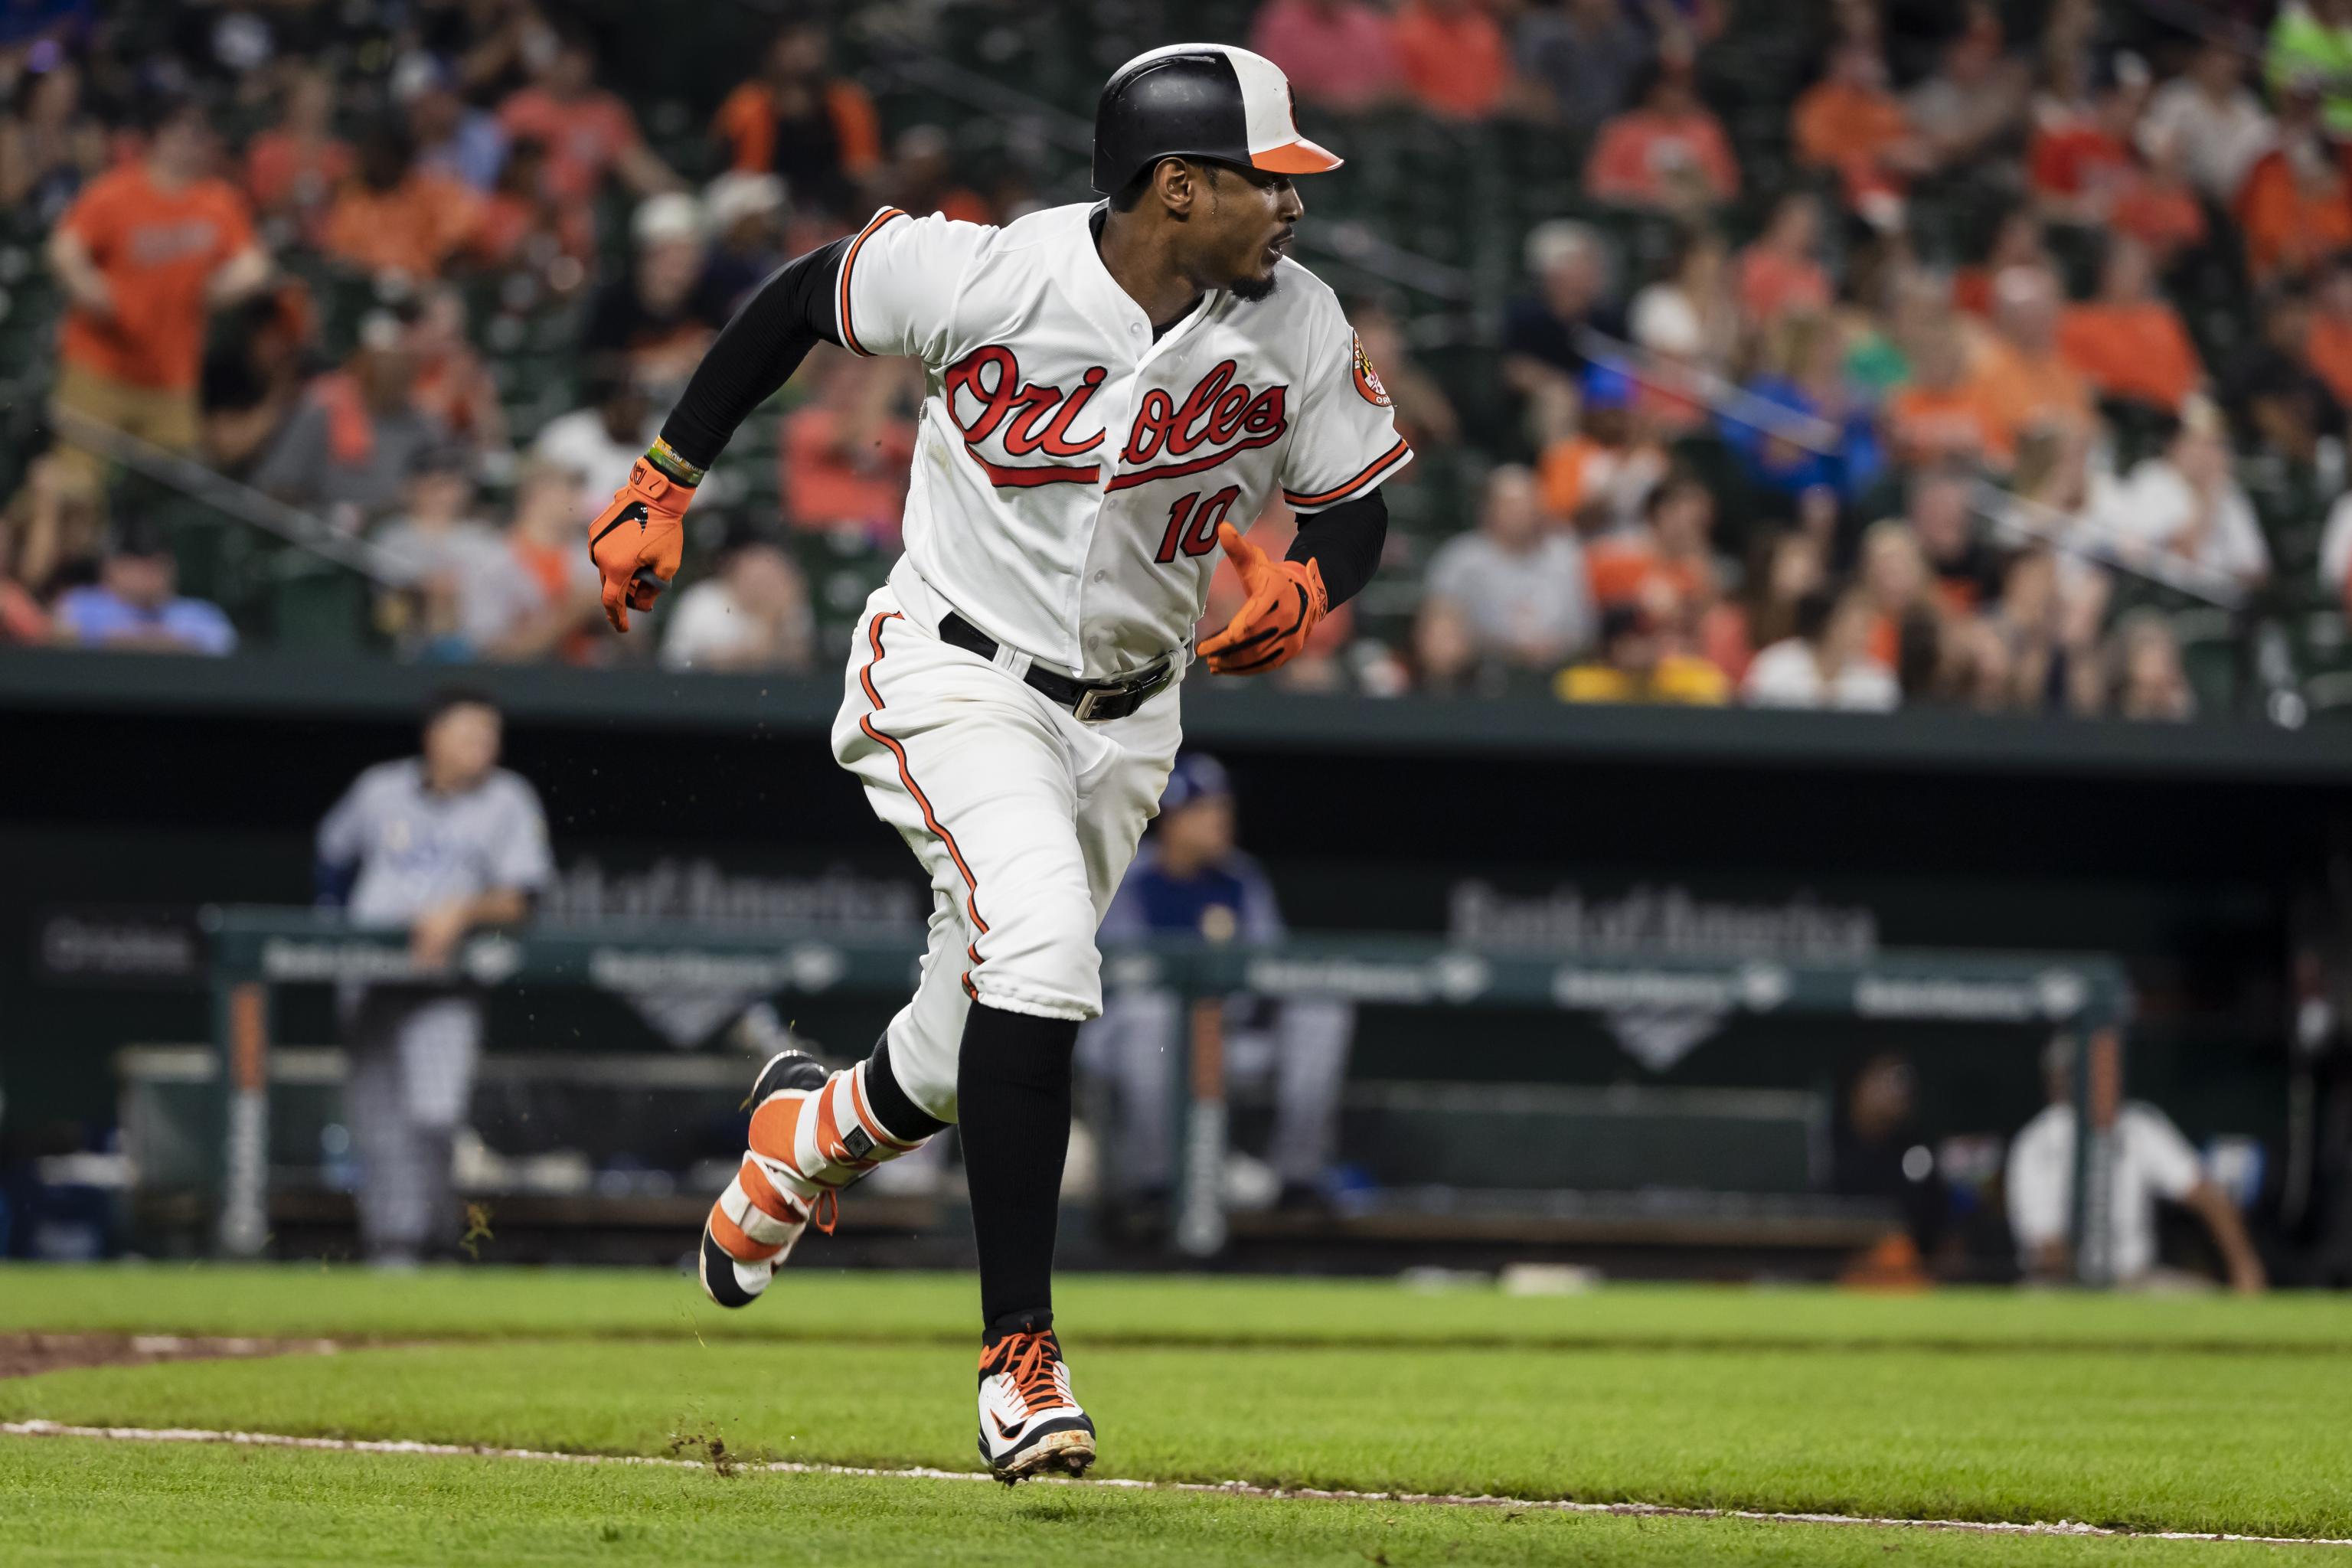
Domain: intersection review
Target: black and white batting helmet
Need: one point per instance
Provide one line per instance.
(1199, 100)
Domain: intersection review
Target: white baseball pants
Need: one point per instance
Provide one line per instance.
(1024, 818)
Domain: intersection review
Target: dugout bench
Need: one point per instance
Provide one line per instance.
(255, 950)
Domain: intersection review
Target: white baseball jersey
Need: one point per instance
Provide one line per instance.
(1070, 471)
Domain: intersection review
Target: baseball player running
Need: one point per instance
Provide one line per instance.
(1114, 392)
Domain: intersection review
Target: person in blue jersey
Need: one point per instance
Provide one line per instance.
(1190, 879)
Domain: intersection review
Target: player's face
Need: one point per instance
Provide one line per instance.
(462, 745)
(1252, 217)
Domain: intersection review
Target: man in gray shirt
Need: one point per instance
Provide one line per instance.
(440, 844)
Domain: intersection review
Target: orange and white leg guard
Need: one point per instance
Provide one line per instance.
(813, 1133)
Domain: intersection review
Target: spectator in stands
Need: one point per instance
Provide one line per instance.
(2080, 157)
(1934, 415)
(751, 614)
(2151, 1161)
(1689, 315)
(1975, 98)
(539, 600)
(744, 217)
(453, 383)
(1664, 566)
(355, 439)
(1637, 663)
(2206, 112)
(1905, 612)
(452, 138)
(843, 453)
(397, 217)
(798, 119)
(1598, 476)
(58, 527)
(433, 549)
(2328, 345)
(443, 843)
(2282, 408)
(254, 368)
(1517, 592)
(1424, 415)
(2146, 681)
(1782, 271)
(1587, 53)
(1543, 331)
(2017, 241)
(50, 146)
(2186, 504)
(144, 255)
(2296, 207)
(1817, 446)
(1669, 153)
(526, 226)
(2158, 205)
(2311, 53)
(664, 313)
(1941, 511)
(589, 134)
(293, 170)
(2021, 380)
(2129, 342)
(2050, 653)
(1191, 879)
(1783, 566)
(135, 606)
(1826, 663)
(921, 178)
(22, 621)
(596, 444)
(1455, 61)
(1852, 121)
(1340, 54)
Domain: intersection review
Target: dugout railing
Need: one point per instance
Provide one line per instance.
(256, 950)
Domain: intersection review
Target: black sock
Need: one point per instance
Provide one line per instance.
(900, 1117)
(1013, 1088)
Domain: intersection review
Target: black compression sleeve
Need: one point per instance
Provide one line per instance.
(756, 353)
(1344, 542)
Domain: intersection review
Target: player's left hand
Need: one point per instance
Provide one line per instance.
(638, 540)
(1286, 599)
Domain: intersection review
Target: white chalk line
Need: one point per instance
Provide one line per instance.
(38, 1428)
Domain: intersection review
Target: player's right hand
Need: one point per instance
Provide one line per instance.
(638, 539)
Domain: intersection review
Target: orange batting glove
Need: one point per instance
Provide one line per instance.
(638, 539)
(1286, 599)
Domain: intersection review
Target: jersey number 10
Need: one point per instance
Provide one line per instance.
(1195, 531)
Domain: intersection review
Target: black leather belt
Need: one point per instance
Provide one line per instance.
(1090, 702)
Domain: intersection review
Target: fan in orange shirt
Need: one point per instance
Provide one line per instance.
(587, 131)
(1934, 416)
(2021, 380)
(1667, 152)
(798, 119)
(144, 254)
(1667, 566)
(1778, 272)
(1849, 121)
(2129, 342)
(1454, 59)
(294, 167)
(2330, 346)
(2296, 206)
(393, 217)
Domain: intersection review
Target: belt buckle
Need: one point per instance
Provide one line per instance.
(1083, 710)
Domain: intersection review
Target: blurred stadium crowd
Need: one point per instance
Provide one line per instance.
(1852, 354)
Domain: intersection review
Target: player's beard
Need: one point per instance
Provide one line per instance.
(1253, 290)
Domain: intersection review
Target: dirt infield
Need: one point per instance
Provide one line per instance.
(23, 1356)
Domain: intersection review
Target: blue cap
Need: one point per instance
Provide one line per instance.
(1197, 776)
(1606, 386)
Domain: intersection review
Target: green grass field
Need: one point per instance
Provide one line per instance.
(2200, 1415)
